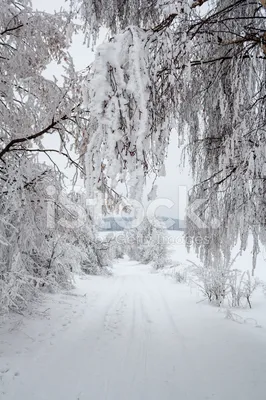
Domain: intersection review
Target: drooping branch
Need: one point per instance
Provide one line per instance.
(7, 30)
(36, 135)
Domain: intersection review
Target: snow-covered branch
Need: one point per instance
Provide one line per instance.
(201, 72)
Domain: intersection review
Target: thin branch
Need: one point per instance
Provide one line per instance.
(7, 30)
(168, 21)
(13, 142)
(67, 155)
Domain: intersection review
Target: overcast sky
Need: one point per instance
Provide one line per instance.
(177, 179)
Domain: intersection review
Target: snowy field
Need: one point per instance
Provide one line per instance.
(136, 335)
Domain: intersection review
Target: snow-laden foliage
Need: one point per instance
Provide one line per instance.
(200, 70)
(223, 285)
(116, 246)
(148, 243)
(178, 272)
(98, 252)
(130, 131)
(31, 105)
(33, 256)
(116, 15)
(41, 244)
(227, 149)
(36, 252)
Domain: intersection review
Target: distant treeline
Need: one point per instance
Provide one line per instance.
(119, 224)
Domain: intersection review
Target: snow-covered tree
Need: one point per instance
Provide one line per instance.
(148, 243)
(34, 255)
(116, 249)
(198, 67)
(31, 105)
(98, 254)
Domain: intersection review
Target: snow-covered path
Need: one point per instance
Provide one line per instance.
(134, 336)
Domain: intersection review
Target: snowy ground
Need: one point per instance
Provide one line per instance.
(134, 336)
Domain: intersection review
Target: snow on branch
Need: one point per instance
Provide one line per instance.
(129, 117)
(203, 73)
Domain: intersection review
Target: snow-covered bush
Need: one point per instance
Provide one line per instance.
(159, 249)
(116, 249)
(263, 285)
(178, 272)
(242, 285)
(224, 284)
(180, 276)
(148, 243)
(98, 256)
(211, 281)
(119, 251)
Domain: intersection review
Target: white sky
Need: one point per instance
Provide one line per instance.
(170, 187)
